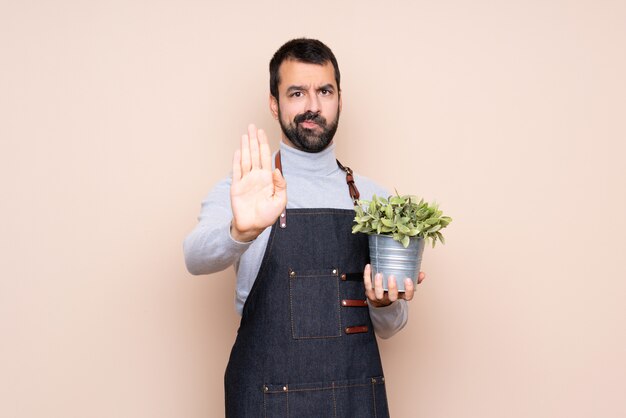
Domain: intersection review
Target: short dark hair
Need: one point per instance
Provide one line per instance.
(306, 50)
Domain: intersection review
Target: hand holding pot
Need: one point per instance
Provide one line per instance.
(379, 297)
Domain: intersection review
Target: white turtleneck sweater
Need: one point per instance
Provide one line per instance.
(313, 181)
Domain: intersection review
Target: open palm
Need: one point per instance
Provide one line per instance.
(258, 195)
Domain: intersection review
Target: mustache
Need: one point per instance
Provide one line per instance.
(310, 116)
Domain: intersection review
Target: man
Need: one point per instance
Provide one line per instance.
(306, 344)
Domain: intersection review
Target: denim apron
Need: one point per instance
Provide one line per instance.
(306, 346)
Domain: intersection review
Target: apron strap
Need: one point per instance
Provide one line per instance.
(354, 192)
(352, 189)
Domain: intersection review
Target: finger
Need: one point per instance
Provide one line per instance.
(245, 155)
(367, 281)
(392, 293)
(266, 153)
(409, 289)
(378, 286)
(237, 166)
(421, 277)
(255, 157)
(280, 186)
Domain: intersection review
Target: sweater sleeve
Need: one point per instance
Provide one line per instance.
(209, 248)
(388, 320)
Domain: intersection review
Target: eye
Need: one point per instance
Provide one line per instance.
(325, 92)
(296, 94)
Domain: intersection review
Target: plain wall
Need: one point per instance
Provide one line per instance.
(116, 118)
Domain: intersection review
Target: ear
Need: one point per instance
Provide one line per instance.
(274, 106)
(340, 104)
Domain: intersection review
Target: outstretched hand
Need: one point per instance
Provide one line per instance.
(377, 296)
(258, 195)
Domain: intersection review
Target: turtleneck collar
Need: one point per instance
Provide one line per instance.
(295, 161)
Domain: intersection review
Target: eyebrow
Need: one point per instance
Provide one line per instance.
(297, 88)
(327, 87)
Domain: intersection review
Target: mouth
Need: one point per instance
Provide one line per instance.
(308, 124)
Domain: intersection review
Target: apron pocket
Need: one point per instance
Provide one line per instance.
(361, 398)
(314, 303)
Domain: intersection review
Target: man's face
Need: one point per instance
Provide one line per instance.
(309, 104)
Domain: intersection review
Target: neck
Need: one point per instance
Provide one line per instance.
(311, 163)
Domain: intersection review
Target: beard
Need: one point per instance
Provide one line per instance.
(305, 139)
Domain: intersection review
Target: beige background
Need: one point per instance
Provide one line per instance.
(117, 117)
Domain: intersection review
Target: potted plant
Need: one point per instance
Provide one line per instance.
(398, 227)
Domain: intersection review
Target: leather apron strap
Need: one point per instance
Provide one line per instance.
(354, 192)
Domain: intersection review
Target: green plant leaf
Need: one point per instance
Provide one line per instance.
(434, 229)
(400, 216)
(445, 221)
(397, 200)
(422, 214)
(403, 229)
(386, 222)
(389, 212)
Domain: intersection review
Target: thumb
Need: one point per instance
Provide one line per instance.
(280, 185)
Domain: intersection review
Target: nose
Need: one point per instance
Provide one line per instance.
(313, 103)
